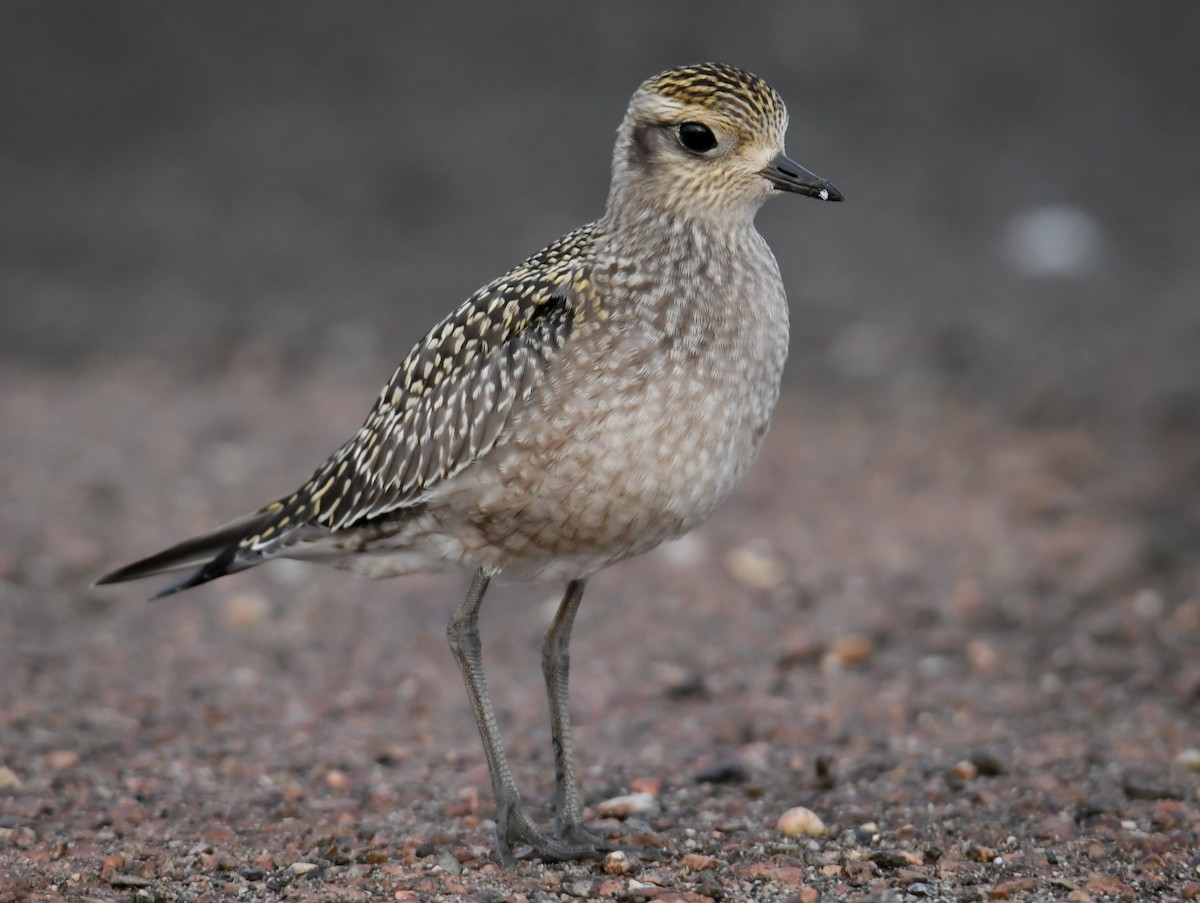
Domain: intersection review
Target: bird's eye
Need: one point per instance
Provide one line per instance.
(697, 137)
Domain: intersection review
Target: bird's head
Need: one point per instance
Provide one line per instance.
(706, 141)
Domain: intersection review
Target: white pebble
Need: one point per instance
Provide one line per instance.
(1189, 758)
(617, 863)
(799, 822)
(627, 805)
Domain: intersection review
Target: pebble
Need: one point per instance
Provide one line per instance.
(60, 759)
(851, 649)
(245, 609)
(752, 567)
(800, 822)
(1188, 758)
(697, 862)
(336, 779)
(964, 770)
(981, 853)
(8, 778)
(1148, 605)
(299, 869)
(617, 863)
(983, 657)
(627, 805)
(652, 785)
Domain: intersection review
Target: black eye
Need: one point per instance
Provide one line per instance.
(697, 137)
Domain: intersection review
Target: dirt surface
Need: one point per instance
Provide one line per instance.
(966, 644)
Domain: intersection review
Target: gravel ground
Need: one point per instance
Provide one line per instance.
(965, 643)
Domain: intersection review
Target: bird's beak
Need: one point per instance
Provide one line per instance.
(787, 175)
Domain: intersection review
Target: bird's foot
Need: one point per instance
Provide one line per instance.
(514, 826)
(577, 834)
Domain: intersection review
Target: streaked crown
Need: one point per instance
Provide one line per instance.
(694, 143)
(724, 89)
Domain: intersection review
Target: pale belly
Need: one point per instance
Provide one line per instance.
(596, 474)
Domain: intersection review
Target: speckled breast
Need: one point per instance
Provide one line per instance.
(640, 428)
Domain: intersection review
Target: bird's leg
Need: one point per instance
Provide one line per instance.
(556, 666)
(513, 823)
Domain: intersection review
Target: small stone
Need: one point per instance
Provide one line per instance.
(246, 609)
(888, 859)
(967, 600)
(1138, 789)
(851, 649)
(800, 822)
(755, 568)
(1188, 758)
(336, 779)
(581, 888)
(627, 805)
(722, 773)
(1148, 605)
(60, 759)
(981, 853)
(617, 863)
(983, 657)
(652, 786)
(9, 779)
(964, 770)
(987, 765)
(120, 879)
(1008, 890)
(116, 862)
(300, 869)
(698, 862)
(1099, 883)
(611, 888)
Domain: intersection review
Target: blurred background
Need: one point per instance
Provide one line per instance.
(321, 184)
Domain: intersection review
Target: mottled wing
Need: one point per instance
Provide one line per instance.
(447, 403)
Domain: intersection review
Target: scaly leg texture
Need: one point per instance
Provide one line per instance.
(556, 666)
(513, 823)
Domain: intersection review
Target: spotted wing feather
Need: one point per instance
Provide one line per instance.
(446, 404)
(444, 407)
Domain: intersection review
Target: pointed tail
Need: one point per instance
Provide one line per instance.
(212, 555)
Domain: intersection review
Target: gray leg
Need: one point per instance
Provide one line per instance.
(556, 666)
(513, 823)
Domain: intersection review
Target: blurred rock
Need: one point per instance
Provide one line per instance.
(245, 609)
(1054, 241)
(755, 567)
(627, 805)
(800, 822)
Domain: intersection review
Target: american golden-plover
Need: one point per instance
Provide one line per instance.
(600, 398)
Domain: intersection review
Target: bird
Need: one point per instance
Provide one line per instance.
(600, 398)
